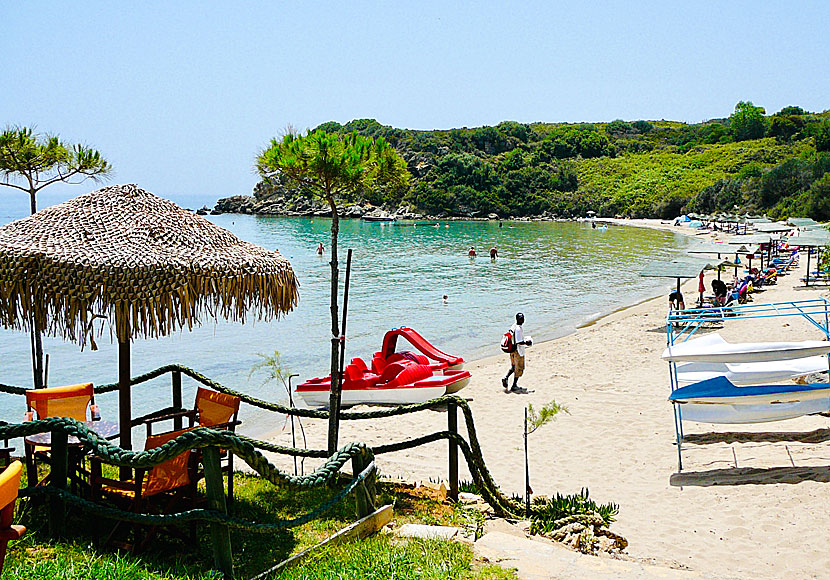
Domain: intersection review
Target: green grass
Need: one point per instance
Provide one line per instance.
(38, 557)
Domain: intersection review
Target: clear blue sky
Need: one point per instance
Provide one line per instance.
(180, 96)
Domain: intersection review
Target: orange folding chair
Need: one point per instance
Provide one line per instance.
(9, 485)
(171, 482)
(215, 410)
(71, 401)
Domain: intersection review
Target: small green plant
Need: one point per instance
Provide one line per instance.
(276, 371)
(533, 421)
(549, 510)
(545, 415)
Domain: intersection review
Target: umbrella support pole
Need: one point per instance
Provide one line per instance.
(177, 398)
(125, 419)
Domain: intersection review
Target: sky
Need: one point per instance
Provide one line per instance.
(181, 96)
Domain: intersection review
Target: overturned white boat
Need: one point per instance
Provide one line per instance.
(714, 349)
(752, 373)
(717, 400)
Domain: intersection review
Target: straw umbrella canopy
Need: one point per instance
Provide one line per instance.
(142, 263)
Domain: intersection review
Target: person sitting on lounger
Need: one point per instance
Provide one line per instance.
(676, 301)
(719, 288)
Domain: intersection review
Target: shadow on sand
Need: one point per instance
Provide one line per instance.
(751, 476)
(754, 475)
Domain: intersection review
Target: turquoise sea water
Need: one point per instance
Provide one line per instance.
(560, 275)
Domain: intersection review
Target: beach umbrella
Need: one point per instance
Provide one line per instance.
(682, 267)
(140, 262)
(810, 240)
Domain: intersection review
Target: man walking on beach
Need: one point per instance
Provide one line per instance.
(517, 356)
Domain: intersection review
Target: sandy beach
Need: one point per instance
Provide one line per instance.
(750, 509)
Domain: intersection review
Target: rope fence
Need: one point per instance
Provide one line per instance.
(362, 457)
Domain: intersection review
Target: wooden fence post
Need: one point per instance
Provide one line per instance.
(177, 398)
(452, 427)
(365, 492)
(215, 491)
(60, 460)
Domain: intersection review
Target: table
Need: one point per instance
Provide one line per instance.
(76, 474)
(105, 429)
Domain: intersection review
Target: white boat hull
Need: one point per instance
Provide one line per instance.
(756, 373)
(375, 396)
(714, 349)
(741, 414)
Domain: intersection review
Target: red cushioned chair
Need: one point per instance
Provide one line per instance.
(9, 484)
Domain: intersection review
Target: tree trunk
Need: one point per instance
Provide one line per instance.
(334, 391)
(37, 342)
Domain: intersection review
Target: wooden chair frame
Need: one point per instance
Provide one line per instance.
(194, 420)
(159, 502)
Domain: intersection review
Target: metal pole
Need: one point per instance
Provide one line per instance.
(291, 405)
(527, 472)
(452, 427)
(337, 382)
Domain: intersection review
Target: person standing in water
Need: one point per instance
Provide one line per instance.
(320, 249)
(517, 357)
(472, 252)
(494, 252)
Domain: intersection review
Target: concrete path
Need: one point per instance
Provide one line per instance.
(538, 560)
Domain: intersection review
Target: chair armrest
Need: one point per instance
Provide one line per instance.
(168, 416)
(13, 532)
(97, 479)
(229, 426)
(149, 422)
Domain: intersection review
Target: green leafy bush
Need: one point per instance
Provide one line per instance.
(546, 511)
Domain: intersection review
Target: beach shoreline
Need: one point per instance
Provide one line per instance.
(618, 440)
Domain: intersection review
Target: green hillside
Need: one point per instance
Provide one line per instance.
(776, 164)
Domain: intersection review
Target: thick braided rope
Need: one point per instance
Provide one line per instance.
(209, 516)
(193, 439)
(472, 451)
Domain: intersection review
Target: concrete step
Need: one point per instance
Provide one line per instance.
(539, 559)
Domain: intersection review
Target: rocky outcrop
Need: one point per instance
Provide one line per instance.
(279, 203)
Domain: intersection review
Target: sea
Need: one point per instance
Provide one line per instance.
(561, 275)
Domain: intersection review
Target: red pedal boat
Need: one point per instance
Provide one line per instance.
(395, 378)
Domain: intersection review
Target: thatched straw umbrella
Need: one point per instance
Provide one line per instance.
(141, 262)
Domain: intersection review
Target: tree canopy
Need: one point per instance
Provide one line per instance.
(334, 166)
(747, 122)
(30, 161)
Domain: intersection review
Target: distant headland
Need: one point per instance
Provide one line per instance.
(749, 161)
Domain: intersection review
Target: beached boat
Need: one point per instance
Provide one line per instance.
(379, 218)
(752, 373)
(717, 400)
(746, 414)
(394, 378)
(714, 348)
